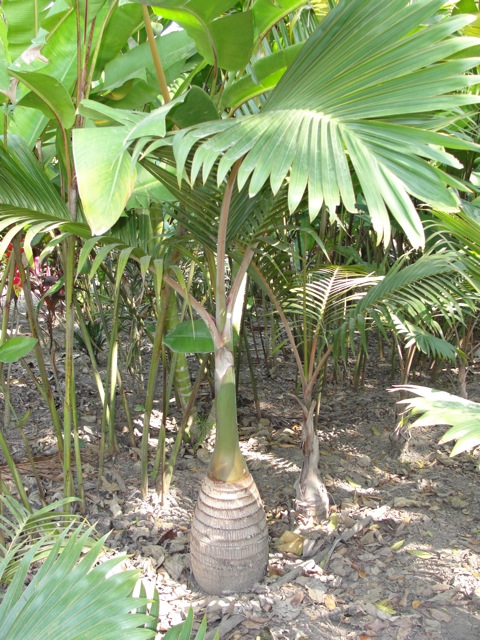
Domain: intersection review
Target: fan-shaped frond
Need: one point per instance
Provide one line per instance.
(361, 93)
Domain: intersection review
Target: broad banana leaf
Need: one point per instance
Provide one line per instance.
(222, 39)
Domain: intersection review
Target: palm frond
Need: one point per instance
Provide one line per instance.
(68, 598)
(371, 74)
(438, 408)
(23, 529)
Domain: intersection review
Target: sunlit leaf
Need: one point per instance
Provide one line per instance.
(48, 95)
(106, 184)
(418, 553)
(397, 545)
(190, 337)
(384, 605)
(221, 38)
(14, 349)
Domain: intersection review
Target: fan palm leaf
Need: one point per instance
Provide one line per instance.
(362, 93)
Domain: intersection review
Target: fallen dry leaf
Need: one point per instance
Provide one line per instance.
(420, 554)
(359, 570)
(330, 602)
(316, 595)
(416, 604)
(397, 545)
(290, 542)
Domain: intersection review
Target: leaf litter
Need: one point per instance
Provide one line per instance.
(397, 560)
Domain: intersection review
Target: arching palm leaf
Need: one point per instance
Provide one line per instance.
(361, 93)
(440, 407)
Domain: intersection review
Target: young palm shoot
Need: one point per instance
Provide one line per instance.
(229, 541)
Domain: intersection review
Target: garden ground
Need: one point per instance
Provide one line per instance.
(398, 559)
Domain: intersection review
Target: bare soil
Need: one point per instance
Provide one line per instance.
(398, 559)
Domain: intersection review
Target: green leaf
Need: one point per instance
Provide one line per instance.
(23, 19)
(4, 58)
(174, 50)
(223, 40)
(147, 190)
(105, 184)
(123, 21)
(397, 545)
(88, 8)
(71, 599)
(14, 349)
(102, 114)
(183, 630)
(266, 73)
(337, 106)
(195, 108)
(26, 193)
(190, 337)
(384, 605)
(48, 95)
(60, 51)
(267, 13)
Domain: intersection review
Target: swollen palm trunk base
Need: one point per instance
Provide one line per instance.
(229, 539)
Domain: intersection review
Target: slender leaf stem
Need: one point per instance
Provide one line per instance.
(220, 284)
(285, 323)
(35, 331)
(155, 56)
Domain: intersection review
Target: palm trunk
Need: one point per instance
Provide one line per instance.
(311, 494)
(229, 537)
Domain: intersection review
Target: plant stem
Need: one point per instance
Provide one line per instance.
(162, 296)
(167, 473)
(156, 58)
(227, 463)
(69, 403)
(17, 478)
(35, 331)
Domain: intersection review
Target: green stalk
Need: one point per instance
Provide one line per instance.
(128, 414)
(69, 403)
(17, 478)
(160, 455)
(162, 295)
(90, 350)
(181, 374)
(7, 279)
(108, 435)
(77, 453)
(35, 331)
(227, 463)
(167, 473)
(253, 380)
(157, 63)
